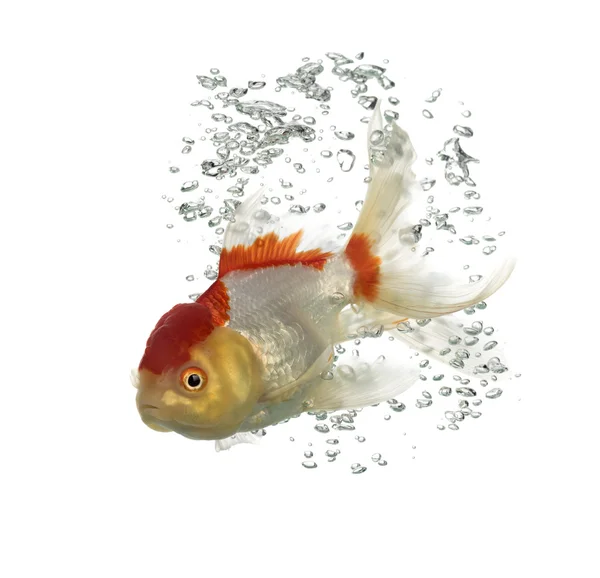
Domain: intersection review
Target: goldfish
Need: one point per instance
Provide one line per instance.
(257, 347)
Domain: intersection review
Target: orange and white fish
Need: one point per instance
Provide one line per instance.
(257, 347)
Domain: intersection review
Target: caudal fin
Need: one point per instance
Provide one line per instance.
(387, 250)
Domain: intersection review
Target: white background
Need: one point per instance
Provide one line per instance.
(90, 103)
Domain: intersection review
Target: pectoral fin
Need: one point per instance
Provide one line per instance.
(239, 438)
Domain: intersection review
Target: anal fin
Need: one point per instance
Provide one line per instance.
(357, 384)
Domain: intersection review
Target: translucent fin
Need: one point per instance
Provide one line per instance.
(350, 323)
(389, 192)
(445, 339)
(357, 384)
(425, 291)
(239, 438)
(436, 338)
(135, 378)
(394, 271)
(247, 225)
(254, 220)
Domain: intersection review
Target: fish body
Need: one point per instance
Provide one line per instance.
(257, 347)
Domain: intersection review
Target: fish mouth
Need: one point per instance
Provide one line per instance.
(147, 406)
(154, 420)
(150, 420)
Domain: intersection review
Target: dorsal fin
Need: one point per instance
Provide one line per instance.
(259, 239)
(270, 251)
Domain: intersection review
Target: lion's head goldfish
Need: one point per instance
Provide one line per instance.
(257, 346)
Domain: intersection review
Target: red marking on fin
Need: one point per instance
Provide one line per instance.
(216, 299)
(270, 251)
(365, 264)
(176, 331)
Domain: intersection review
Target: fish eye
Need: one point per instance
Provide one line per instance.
(193, 378)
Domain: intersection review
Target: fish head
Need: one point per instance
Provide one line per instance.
(197, 379)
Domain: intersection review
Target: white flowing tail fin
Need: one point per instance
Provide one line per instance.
(395, 272)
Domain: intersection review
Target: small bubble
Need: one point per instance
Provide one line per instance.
(427, 184)
(472, 195)
(344, 135)
(256, 84)
(346, 159)
(376, 137)
(464, 131)
(211, 274)
(386, 83)
(309, 464)
(368, 102)
(189, 186)
(427, 114)
(494, 393)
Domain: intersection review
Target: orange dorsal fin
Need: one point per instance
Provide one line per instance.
(270, 251)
